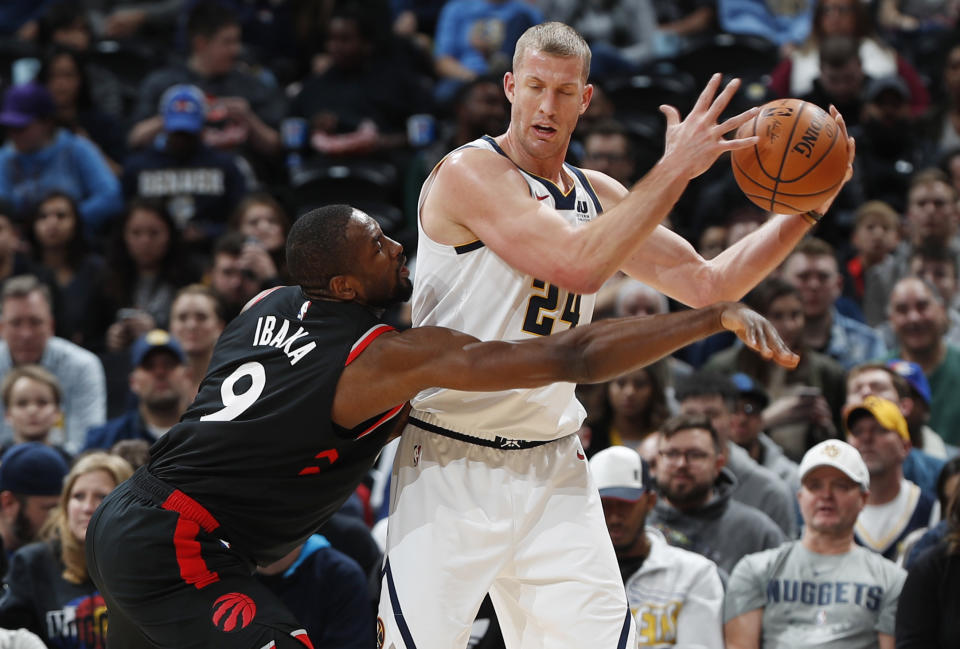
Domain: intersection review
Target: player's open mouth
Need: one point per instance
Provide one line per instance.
(544, 130)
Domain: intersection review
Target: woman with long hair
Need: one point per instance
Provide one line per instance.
(64, 73)
(145, 270)
(55, 234)
(631, 407)
(929, 606)
(265, 224)
(49, 590)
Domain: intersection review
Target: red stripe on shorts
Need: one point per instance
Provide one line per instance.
(192, 516)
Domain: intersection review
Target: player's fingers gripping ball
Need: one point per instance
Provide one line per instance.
(799, 161)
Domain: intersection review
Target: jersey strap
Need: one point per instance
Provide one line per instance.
(364, 341)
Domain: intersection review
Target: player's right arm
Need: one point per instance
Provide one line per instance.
(478, 194)
(396, 366)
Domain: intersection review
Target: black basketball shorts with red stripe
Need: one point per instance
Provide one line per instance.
(169, 580)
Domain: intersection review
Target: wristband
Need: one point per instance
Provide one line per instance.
(812, 217)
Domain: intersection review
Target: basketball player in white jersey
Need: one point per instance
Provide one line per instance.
(491, 492)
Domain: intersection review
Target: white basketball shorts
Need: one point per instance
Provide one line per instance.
(524, 525)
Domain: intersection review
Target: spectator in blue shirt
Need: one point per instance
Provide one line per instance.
(813, 269)
(40, 158)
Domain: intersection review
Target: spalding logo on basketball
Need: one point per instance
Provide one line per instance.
(800, 159)
(233, 612)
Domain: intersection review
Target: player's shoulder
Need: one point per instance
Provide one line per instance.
(608, 190)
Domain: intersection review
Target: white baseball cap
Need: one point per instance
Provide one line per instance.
(839, 455)
(620, 473)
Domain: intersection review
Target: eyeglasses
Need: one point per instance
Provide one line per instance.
(691, 455)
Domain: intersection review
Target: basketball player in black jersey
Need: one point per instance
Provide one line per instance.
(302, 392)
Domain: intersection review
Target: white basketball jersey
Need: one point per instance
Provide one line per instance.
(471, 289)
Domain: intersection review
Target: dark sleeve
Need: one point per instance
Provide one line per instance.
(17, 606)
(919, 608)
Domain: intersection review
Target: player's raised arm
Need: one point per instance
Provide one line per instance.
(671, 265)
(479, 194)
(396, 366)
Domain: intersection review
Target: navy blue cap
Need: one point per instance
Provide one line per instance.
(152, 340)
(747, 387)
(32, 469)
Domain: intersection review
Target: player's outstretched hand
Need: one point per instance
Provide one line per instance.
(693, 144)
(757, 333)
(851, 154)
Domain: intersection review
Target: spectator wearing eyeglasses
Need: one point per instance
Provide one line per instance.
(695, 510)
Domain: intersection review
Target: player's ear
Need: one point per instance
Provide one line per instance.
(344, 287)
(586, 97)
(509, 85)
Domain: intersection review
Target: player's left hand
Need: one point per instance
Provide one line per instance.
(851, 154)
(757, 333)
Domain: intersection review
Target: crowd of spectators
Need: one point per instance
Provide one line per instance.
(154, 156)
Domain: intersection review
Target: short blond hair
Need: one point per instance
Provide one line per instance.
(555, 39)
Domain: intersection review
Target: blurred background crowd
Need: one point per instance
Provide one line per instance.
(155, 154)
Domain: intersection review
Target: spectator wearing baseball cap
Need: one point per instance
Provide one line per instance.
(159, 381)
(200, 186)
(746, 430)
(676, 595)
(822, 590)
(31, 477)
(888, 381)
(39, 158)
(895, 506)
(918, 415)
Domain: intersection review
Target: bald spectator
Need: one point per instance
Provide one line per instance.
(31, 477)
(895, 506)
(696, 510)
(26, 324)
(918, 318)
(812, 268)
(823, 590)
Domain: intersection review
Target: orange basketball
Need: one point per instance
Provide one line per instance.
(799, 161)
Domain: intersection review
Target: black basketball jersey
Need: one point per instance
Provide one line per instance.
(257, 448)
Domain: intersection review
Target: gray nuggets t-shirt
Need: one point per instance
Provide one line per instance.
(836, 601)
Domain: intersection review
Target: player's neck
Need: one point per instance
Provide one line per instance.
(827, 542)
(549, 168)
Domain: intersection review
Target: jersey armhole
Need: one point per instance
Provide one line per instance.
(376, 421)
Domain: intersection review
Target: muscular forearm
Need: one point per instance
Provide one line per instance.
(610, 348)
(740, 267)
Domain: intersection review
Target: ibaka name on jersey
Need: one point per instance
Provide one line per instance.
(282, 338)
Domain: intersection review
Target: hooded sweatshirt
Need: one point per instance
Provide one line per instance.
(722, 529)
